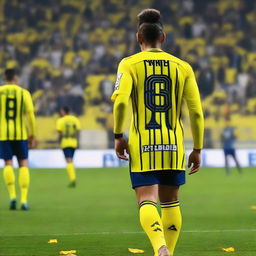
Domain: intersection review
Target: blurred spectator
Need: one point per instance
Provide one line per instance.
(58, 45)
(106, 89)
(206, 82)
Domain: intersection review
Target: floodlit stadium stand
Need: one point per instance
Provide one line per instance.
(64, 59)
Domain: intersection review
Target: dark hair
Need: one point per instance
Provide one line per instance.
(66, 109)
(150, 16)
(150, 25)
(9, 74)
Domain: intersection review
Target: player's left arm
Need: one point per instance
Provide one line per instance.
(59, 136)
(29, 107)
(192, 97)
(59, 129)
(121, 96)
(78, 127)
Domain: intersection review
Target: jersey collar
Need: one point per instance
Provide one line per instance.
(154, 50)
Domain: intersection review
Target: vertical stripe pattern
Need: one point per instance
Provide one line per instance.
(13, 102)
(149, 130)
(157, 134)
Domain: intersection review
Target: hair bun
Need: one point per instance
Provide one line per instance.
(149, 16)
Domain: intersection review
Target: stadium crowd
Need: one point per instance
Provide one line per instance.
(60, 48)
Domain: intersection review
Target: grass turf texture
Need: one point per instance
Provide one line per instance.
(104, 202)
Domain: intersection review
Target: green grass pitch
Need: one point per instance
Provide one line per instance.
(100, 216)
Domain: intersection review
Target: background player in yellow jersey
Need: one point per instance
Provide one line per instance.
(68, 127)
(155, 83)
(16, 107)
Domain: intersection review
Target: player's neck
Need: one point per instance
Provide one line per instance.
(145, 47)
(11, 82)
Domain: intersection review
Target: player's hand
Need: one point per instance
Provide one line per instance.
(121, 147)
(32, 142)
(194, 161)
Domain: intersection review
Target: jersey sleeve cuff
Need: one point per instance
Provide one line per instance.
(118, 135)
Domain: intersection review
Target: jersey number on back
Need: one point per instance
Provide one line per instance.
(11, 108)
(162, 96)
(70, 131)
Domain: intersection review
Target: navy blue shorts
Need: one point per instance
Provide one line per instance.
(167, 177)
(10, 148)
(230, 151)
(69, 152)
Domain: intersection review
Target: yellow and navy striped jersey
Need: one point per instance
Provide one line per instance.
(68, 126)
(16, 107)
(156, 83)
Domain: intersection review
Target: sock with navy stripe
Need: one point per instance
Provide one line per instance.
(151, 223)
(171, 219)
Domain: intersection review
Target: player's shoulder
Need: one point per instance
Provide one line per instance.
(70, 118)
(59, 121)
(132, 58)
(25, 91)
(125, 62)
(59, 118)
(74, 117)
(180, 63)
(76, 121)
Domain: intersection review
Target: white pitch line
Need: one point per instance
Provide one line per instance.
(127, 232)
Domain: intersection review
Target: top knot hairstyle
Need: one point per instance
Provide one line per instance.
(150, 16)
(150, 25)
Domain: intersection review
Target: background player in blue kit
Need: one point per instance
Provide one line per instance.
(228, 140)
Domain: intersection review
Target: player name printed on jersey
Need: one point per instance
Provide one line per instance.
(159, 63)
(159, 147)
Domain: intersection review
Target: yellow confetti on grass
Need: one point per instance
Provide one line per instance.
(69, 253)
(253, 207)
(135, 250)
(229, 249)
(53, 241)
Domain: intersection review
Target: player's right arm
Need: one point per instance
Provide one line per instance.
(29, 107)
(59, 129)
(121, 96)
(192, 97)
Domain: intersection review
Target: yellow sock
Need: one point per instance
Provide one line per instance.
(24, 180)
(71, 172)
(171, 219)
(152, 224)
(9, 179)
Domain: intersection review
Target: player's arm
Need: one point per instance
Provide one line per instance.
(29, 107)
(78, 136)
(192, 97)
(121, 96)
(59, 130)
(59, 136)
(78, 127)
